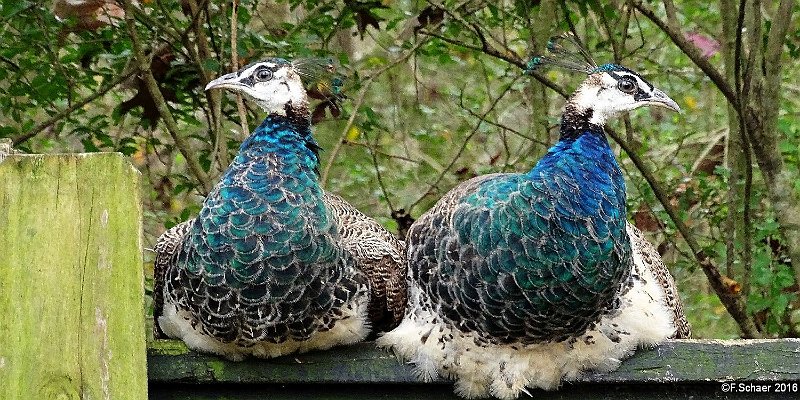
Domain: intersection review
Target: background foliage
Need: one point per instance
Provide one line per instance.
(436, 96)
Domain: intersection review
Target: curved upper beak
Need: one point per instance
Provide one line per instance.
(659, 98)
(230, 81)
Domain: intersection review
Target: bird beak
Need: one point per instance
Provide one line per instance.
(659, 98)
(227, 81)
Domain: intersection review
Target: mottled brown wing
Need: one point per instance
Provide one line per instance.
(652, 261)
(382, 258)
(166, 249)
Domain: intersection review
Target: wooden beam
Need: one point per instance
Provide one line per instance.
(71, 279)
(694, 367)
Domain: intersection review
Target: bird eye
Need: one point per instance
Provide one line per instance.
(263, 74)
(627, 85)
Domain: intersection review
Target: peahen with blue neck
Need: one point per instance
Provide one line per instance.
(273, 264)
(522, 280)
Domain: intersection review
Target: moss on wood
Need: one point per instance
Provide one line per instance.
(71, 281)
(673, 361)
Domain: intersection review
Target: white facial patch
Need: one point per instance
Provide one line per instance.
(602, 94)
(285, 87)
(272, 95)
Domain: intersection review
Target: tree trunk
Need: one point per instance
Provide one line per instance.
(761, 119)
(734, 148)
(538, 93)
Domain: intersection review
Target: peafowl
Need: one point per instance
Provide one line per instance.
(522, 280)
(273, 264)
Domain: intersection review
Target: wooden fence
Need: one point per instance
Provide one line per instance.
(697, 369)
(71, 278)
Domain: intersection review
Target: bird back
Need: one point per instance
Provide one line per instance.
(531, 257)
(270, 245)
(262, 260)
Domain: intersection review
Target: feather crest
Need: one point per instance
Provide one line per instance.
(324, 82)
(322, 77)
(565, 51)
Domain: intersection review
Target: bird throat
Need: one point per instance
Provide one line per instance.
(298, 114)
(577, 122)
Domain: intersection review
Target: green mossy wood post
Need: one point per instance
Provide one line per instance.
(71, 279)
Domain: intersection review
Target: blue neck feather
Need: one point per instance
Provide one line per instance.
(584, 154)
(267, 206)
(550, 244)
(265, 231)
(285, 136)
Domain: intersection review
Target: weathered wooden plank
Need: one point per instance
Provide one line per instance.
(71, 279)
(582, 391)
(676, 369)
(673, 361)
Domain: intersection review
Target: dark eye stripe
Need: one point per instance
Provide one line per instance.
(248, 80)
(641, 82)
(252, 69)
(638, 79)
(649, 86)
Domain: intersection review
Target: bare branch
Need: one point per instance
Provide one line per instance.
(744, 85)
(506, 55)
(503, 127)
(161, 104)
(76, 105)
(379, 176)
(672, 15)
(777, 37)
(488, 50)
(235, 66)
(691, 51)
(323, 180)
(219, 152)
(362, 93)
(374, 149)
(461, 149)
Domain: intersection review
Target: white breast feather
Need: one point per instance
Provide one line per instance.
(353, 327)
(504, 371)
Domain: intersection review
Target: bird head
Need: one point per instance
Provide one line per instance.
(609, 89)
(274, 84)
(612, 89)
